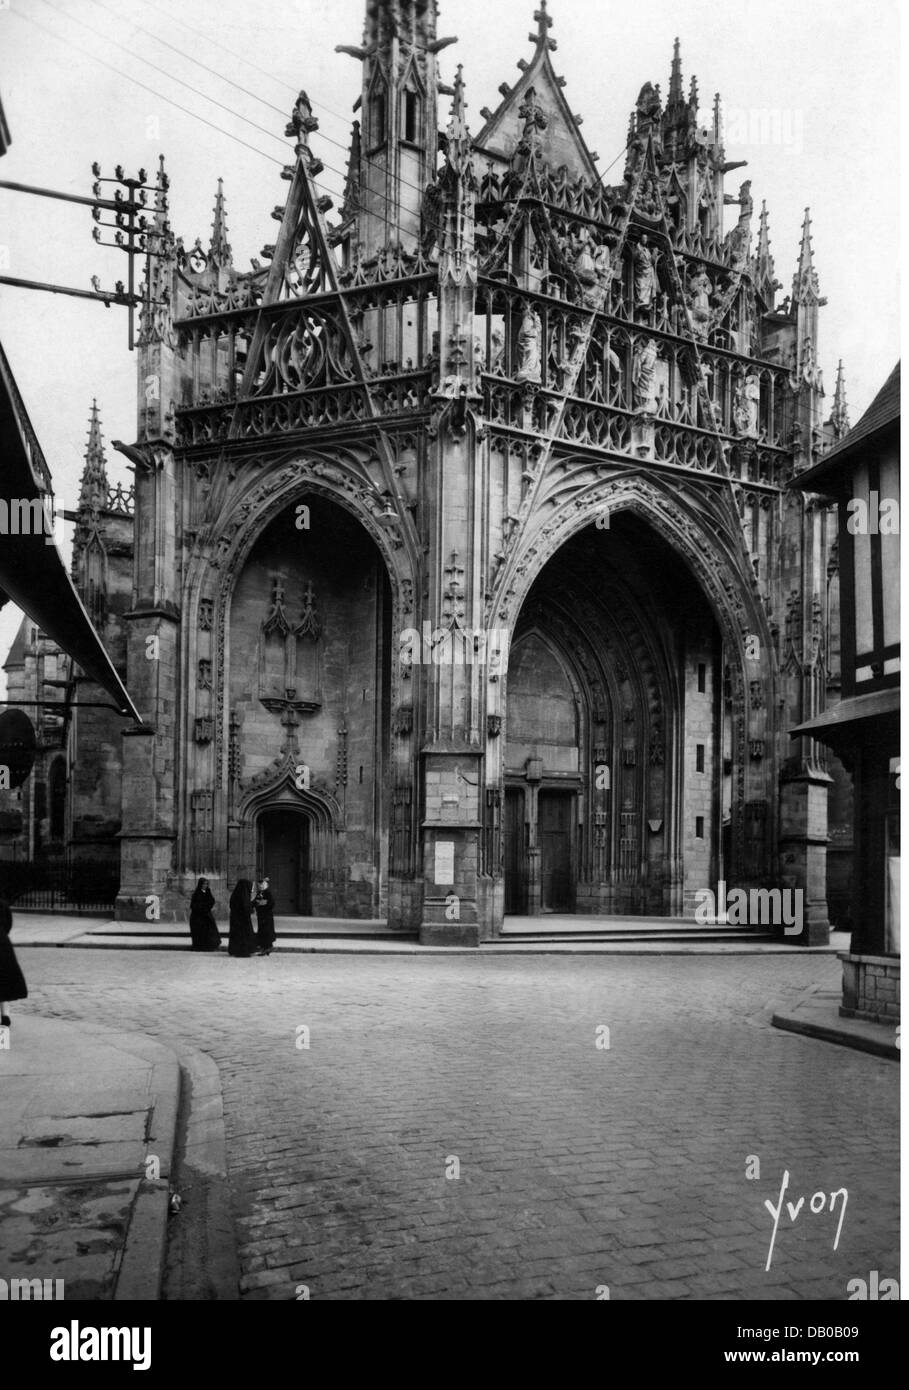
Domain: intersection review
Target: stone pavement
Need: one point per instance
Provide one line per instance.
(87, 1129)
(446, 1125)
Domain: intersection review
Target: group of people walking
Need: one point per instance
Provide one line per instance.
(243, 939)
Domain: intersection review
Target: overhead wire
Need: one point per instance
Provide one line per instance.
(144, 86)
(205, 97)
(321, 106)
(30, 19)
(405, 183)
(230, 110)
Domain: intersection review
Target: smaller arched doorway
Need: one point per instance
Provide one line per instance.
(283, 856)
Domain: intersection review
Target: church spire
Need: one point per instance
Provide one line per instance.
(805, 285)
(839, 417)
(675, 78)
(399, 119)
(220, 253)
(93, 488)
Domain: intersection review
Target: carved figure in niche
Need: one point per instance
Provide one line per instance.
(560, 185)
(497, 350)
(645, 279)
(745, 406)
(643, 373)
(648, 203)
(584, 267)
(529, 336)
(699, 291)
(533, 115)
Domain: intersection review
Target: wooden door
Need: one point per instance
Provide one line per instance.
(285, 859)
(554, 834)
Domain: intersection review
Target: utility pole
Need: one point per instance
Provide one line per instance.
(133, 232)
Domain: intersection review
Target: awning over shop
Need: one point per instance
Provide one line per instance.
(877, 704)
(32, 572)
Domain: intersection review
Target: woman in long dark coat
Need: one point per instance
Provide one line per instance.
(265, 915)
(12, 981)
(202, 928)
(242, 939)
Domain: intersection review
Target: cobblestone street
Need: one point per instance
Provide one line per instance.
(578, 1166)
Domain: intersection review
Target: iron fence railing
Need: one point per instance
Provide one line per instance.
(62, 885)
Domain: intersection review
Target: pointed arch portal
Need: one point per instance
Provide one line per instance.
(617, 737)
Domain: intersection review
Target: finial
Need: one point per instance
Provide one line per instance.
(806, 255)
(302, 121)
(543, 21)
(219, 251)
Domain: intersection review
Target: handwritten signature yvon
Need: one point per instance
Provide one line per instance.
(817, 1204)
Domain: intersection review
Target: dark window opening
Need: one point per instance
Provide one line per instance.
(377, 118)
(699, 757)
(699, 827)
(411, 117)
(702, 678)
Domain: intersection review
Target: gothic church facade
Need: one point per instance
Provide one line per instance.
(468, 578)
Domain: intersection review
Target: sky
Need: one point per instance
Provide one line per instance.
(810, 93)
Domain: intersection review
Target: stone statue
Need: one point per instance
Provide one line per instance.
(529, 337)
(648, 106)
(645, 280)
(745, 406)
(738, 240)
(699, 291)
(591, 267)
(647, 198)
(643, 373)
(497, 351)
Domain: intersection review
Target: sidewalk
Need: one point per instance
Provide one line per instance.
(817, 1015)
(87, 1130)
(372, 937)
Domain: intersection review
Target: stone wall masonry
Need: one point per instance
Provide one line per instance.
(871, 987)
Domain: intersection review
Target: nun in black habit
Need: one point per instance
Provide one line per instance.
(12, 981)
(242, 939)
(265, 915)
(202, 928)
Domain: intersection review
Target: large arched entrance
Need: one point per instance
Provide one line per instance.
(617, 753)
(308, 647)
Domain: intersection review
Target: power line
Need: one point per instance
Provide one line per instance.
(340, 172)
(405, 183)
(262, 129)
(437, 227)
(205, 97)
(164, 72)
(160, 95)
(216, 42)
(185, 109)
(286, 85)
(180, 53)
